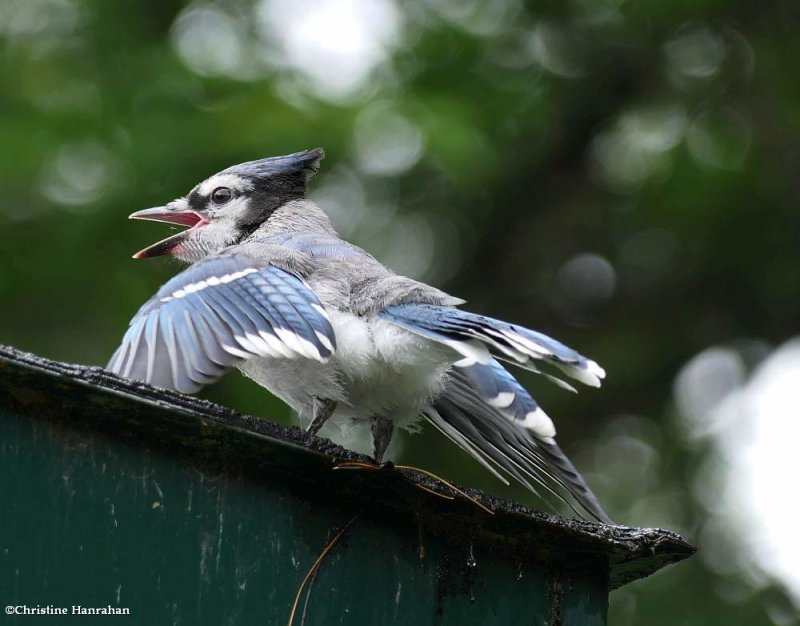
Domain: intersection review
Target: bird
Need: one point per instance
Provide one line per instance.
(273, 291)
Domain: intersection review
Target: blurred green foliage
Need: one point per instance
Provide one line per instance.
(621, 175)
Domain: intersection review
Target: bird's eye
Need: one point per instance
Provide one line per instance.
(221, 195)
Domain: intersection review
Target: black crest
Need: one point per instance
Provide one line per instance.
(301, 165)
(277, 180)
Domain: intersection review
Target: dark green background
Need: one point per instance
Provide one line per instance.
(659, 137)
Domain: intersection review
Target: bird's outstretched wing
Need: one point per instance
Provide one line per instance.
(216, 313)
(463, 331)
(487, 412)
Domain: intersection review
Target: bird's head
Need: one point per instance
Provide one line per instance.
(228, 206)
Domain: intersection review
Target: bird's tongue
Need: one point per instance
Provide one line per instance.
(169, 216)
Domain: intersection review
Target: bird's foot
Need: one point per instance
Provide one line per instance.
(323, 408)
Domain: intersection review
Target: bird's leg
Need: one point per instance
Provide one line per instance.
(382, 430)
(323, 409)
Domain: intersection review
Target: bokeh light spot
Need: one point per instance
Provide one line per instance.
(719, 138)
(211, 42)
(753, 429)
(636, 147)
(582, 286)
(386, 142)
(555, 49)
(694, 52)
(79, 174)
(336, 45)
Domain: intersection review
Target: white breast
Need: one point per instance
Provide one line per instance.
(389, 371)
(379, 369)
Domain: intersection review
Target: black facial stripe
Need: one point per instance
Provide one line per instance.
(260, 206)
(196, 201)
(267, 196)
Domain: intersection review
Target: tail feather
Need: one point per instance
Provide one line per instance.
(500, 390)
(493, 439)
(456, 435)
(488, 449)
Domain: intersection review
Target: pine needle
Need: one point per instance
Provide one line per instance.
(463, 494)
(311, 572)
(359, 465)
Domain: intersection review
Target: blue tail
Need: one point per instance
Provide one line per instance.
(465, 415)
(497, 388)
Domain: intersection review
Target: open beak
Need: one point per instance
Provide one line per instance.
(170, 215)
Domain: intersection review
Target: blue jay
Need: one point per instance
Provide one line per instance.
(274, 292)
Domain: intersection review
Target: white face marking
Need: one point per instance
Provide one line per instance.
(237, 183)
(179, 204)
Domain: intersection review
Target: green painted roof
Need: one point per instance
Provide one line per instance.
(221, 440)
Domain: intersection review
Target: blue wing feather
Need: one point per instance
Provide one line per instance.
(323, 246)
(483, 405)
(506, 341)
(216, 313)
